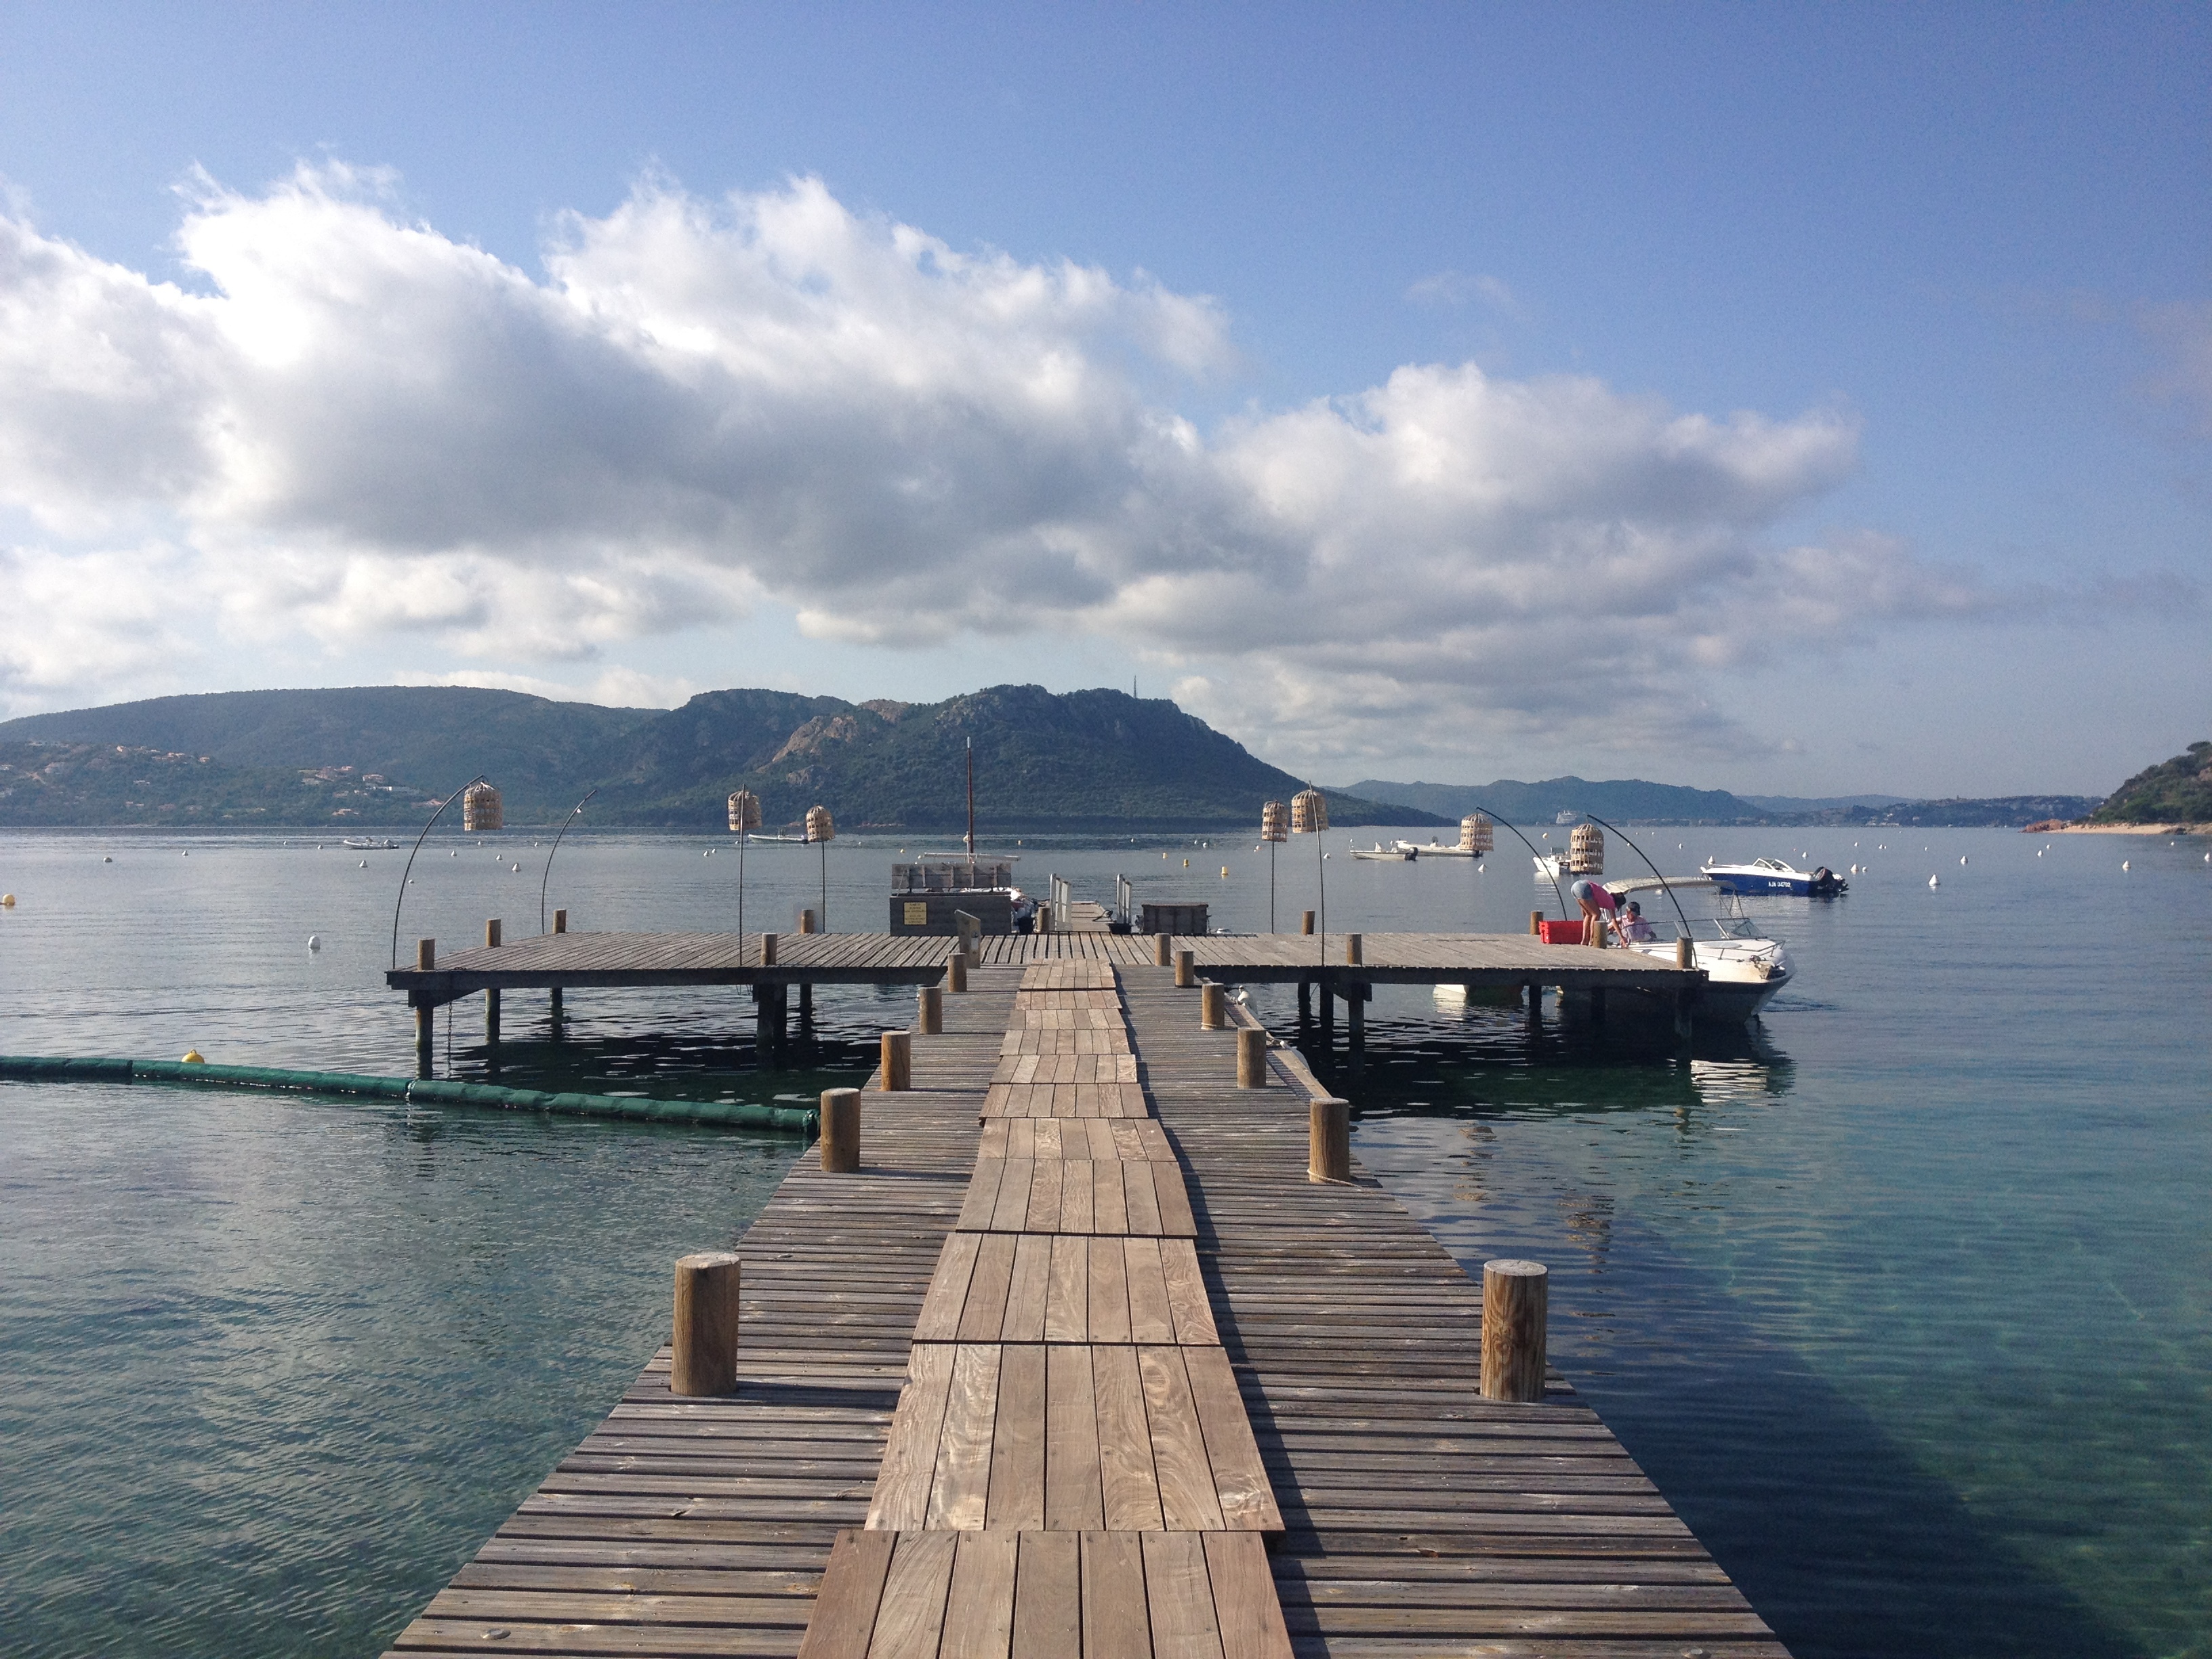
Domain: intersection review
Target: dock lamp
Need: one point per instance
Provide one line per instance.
(1309, 816)
(820, 829)
(1274, 829)
(745, 818)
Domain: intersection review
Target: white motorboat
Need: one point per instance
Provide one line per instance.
(1774, 876)
(1743, 970)
(369, 844)
(1398, 853)
(1436, 849)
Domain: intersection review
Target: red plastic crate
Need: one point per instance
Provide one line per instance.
(1561, 932)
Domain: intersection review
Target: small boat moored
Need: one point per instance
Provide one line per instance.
(1401, 853)
(1773, 876)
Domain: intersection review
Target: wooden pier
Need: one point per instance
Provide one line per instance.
(1327, 968)
(1094, 1384)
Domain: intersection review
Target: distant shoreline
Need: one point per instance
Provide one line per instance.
(2118, 829)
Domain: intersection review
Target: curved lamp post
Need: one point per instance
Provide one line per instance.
(1309, 816)
(548, 876)
(1274, 829)
(745, 818)
(409, 870)
(820, 829)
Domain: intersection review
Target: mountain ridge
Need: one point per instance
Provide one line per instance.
(356, 757)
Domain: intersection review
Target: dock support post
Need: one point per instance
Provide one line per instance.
(1355, 1027)
(1306, 926)
(1515, 1298)
(763, 1024)
(1162, 951)
(491, 1018)
(1212, 1000)
(1186, 966)
(840, 1130)
(426, 1032)
(929, 1011)
(553, 1008)
(768, 949)
(897, 1061)
(1251, 1057)
(806, 922)
(1535, 1008)
(560, 921)
(955, 973)
(806, 1008)
(1355, 949)
(1536, 924)
(704, 1349)
(1328, 1141)
(1305, 1004)
(1327, 1019)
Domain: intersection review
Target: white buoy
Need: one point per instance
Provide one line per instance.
(364, 865)
(1933, 882)
(2124, 864)
(315, 941)
(106, 861)
(515, 868)
(1962, 859)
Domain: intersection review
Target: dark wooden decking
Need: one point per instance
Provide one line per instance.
(1416, 1518)
(606, 960)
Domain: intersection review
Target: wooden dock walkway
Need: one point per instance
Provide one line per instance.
(1012, 1404)
(565, 961)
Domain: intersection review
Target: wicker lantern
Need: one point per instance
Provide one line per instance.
(1586, 850)
(1274, 822)
(745, 811)
(1309, 812)
(1475, 833)
(481, 808)
(820, 829)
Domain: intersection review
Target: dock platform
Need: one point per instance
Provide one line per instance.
(986, 1405)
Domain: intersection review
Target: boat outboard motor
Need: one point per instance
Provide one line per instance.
(1827, 884)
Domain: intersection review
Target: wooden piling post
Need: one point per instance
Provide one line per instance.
(1515, 1298)
(1162, 951)
(768, 949)
(554, 1009)
(1212, 1000)
(703, 1350)
(1685, 953)
(929, 1013)
(897, 1061)
(1536, 924)
(1044, 919)
(560, 921)
(956, 972)
(1186, 964)
(426, 1034)
(806, 922)
(1355, 949)
(491, 1017)
(840, 1130)
(1328, 1141)
(491, 934)
(1306, 925)
(1306, 1003)
(426, 954)
(806, 1007)
(1251, 1057)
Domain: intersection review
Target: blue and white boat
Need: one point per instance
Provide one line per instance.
(1762, 876)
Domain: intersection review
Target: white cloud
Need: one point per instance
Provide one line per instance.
(363, 430)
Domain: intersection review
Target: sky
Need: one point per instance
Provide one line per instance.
(1789, 399)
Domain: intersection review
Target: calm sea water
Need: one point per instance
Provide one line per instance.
(1904, 1296)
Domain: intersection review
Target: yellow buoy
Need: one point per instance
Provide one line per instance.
(7, 901)
(194, 1057)
(1186, 864)
(1224, 870)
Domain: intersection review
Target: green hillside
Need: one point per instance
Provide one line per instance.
(2178, 790)
(373, 756)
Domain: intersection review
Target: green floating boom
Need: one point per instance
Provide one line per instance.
(734, 1115)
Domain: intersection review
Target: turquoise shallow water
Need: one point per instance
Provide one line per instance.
(1902, 1299)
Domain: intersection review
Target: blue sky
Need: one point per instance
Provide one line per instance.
(1836, 383)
